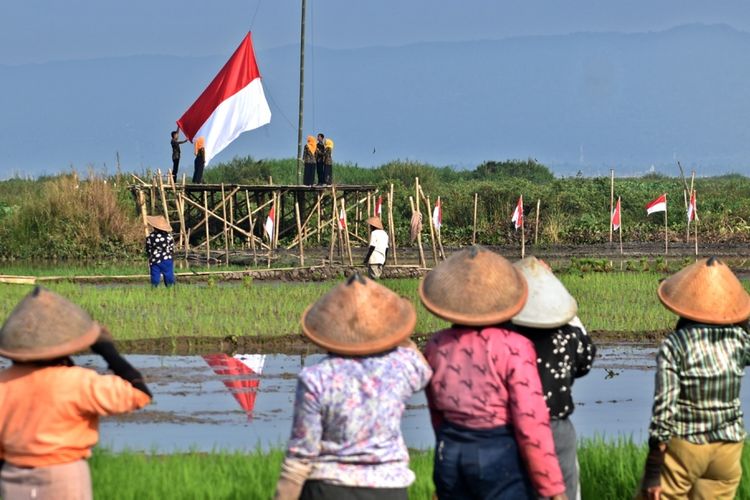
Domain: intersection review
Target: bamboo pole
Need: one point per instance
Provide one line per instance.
(687, 228)
(319, 210)
(142, 205)
(216, 216)
(474, 231)
(357, 214)
(432, 228)
(346, 233)
(422, 261)
(369, 206)
(252, 228)
(690, 197)
(231, 219)
(334, 226)
(666, 232)
(391, 225)
(523, 237)
(277, 217)
(611, 200)
(536, 223)
(439, 238)
(619, 204)
(208, 234)
(299, 232)
(163, 194)
(696, 235)
(226, 232)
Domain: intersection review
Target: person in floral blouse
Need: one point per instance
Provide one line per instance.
(485, 398)
(346, 440)
(160, 250)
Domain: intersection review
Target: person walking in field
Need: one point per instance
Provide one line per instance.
(49, 416)
(328, 163)
(346, 441)
(160, 250)
(320, 159)
(200, 160)
(378, 249)
(491, 422)
(564, 352)
(697, 430)
(176, 152)
(308, 159)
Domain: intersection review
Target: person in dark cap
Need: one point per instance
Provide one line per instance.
(176, 152)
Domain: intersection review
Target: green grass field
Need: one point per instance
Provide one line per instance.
(612, 302)
(609, 470)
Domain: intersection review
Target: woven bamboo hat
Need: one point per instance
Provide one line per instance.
(707, 292)
(159, 222)
(359, 317)
(375, 222)
(474, 287)
(45, 325)
(549, 304)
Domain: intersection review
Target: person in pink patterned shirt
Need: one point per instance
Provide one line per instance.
(346, 440)
(485, 397)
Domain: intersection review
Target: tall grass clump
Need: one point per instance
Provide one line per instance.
(71, 218)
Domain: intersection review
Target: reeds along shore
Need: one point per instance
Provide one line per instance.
(609, 470)
(73, 217)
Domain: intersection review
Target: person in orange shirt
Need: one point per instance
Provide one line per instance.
(50, 408)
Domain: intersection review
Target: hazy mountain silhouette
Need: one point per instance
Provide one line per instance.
(588, 102)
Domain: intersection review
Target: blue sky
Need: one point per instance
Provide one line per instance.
(39, 31)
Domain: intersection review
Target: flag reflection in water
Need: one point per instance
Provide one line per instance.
(240, 374)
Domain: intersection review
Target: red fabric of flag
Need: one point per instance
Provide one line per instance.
(517, 217)
(616, 216)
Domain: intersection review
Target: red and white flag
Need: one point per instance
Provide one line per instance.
(616, 216)
(268, 226)
(240, 374)
(234, 102)
(342, 219)
(517, 217)
(437, 215)
(658, 205)
(692, 211)
(379, 206)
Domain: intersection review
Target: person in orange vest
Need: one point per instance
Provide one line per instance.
(50, 410)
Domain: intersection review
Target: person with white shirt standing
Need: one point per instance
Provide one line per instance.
(376, 254)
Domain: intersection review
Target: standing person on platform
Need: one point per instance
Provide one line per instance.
(160, 250)
(328, 162)
(200, 160)
(346, 440)
(378, 250)
(697, 430)
(308, 159)
(176, 152)
(485, 398)
(320, 159)
(564, 352)
(49, 416)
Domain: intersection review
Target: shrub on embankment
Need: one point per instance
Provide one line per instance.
(65, 217)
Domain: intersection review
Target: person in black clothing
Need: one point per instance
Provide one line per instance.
(200, 160)
(176, 152)
(320, 159)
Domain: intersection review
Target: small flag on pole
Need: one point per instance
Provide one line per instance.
(437, 215)
(692, 211)
(342, 219)
(379, 207)
(268, 226)
(517, 217)
(616, 216)
(658, 205)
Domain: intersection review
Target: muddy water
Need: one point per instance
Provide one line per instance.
(195, 410)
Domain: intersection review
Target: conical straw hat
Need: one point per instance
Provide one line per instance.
(159, 222)
(707, 292)
(375, 222)
(44, 325)
(474, 287)
(359, 317)
(549, 304)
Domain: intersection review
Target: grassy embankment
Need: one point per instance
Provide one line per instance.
(609, 470)
(613, 302)
(64, 217)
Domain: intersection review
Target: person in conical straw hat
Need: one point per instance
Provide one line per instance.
(564, 352)
(378, 248)
(485, 397)
(346, 440)
(160, 251)
(697, 430)
(49, 418)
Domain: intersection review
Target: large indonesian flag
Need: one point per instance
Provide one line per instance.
(616, 216)
(658, 205)
(232, 103)
(517, 217)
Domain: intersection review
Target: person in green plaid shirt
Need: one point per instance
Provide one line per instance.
(697, 431)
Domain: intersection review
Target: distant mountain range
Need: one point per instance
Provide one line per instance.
(583, 102)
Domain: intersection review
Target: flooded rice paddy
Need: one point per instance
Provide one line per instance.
(239, 403)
